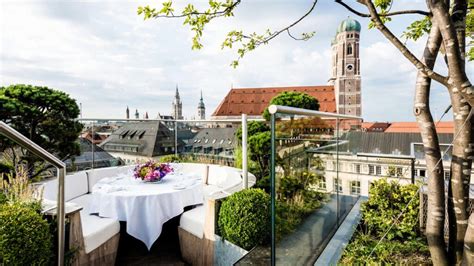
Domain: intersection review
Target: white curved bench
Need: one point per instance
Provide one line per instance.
(197, 226)
(97, 237)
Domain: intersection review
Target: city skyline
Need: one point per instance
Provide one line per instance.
(106, 57)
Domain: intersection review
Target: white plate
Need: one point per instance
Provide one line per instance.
(179, 187)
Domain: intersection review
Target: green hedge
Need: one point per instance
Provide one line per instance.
(244, 218)
(403, 243)
(25, 238)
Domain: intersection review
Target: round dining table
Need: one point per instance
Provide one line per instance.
(145, 206)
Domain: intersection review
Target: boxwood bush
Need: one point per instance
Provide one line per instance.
(25, 238)
(244, 218)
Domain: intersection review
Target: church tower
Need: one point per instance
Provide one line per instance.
(345, 74)
(201, 109)
(177, 106)
(127, 113)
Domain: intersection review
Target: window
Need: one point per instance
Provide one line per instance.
(422, 172)
(399, 171)
(357, 168)
(338, 185)
(355, 187)
(378, 170)
(447, 174)
(349, 49)
(371, 169)
(321, 182)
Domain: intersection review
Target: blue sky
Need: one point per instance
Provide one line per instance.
(107, 57)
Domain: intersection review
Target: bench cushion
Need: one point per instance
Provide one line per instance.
(75, 186)
(95, 230)
(224, 177)
(192, 221)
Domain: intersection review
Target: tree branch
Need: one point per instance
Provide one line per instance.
(402, 12)
(457, 75)
(400, 46)
(197, 13)
(276, 33)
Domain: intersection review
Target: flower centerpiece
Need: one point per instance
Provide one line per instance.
(152, 171)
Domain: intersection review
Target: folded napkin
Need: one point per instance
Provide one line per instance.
(109, 180)
(107, 188)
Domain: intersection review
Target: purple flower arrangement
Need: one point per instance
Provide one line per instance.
(152, 171)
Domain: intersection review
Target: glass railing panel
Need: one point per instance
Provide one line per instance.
(310, 197)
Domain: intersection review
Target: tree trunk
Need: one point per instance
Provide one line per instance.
(436, 197)
(461, 163)
(457, 79)
(460, 176)
(469, 242)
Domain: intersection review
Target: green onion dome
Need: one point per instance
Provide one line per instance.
(349, 24)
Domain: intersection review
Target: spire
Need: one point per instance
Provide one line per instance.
(127, 113)
(201, 108)
(177, 92)
(146, 115)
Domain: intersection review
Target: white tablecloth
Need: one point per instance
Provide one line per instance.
(145, 206)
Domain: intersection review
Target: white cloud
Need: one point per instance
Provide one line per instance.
(107, 57)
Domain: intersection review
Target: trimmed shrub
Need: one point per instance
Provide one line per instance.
(244, 218)
(387, 200)
(25, 238)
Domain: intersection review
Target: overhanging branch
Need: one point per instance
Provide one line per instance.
(400, 46)
(390, 14)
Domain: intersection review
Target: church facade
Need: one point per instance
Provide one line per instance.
(177, 106)
(345, 71)
(341, 95)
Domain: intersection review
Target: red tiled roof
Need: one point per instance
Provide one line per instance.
(375, 126)
(253, 101)
(412, 127)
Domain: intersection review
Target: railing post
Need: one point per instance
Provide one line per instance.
(92, 147)
(176, 138)
(244, 152)
(28, 144)
(273, 188)
(61, 215)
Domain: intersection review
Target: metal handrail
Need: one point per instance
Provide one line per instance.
(273, 109)
(34, 148)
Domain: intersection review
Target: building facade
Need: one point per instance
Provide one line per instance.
(177, 106)
(342, 94)
(345, 72)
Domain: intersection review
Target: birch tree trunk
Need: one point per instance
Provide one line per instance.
(460, 177)
(469, 242)
(436, 197)
(461, 163)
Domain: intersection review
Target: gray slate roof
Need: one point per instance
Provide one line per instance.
(84, 160)
(215, 138)
(145, 138)
(385, 143)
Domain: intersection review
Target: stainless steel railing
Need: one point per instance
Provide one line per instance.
(34, 148)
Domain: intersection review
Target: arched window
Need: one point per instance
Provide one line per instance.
(349, 48)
